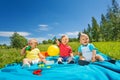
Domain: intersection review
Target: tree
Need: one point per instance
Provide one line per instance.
(50, 41)
(95, 30)
(45, 42)
(109, 29)
(104, 29)
(113, 19)
(18, 41)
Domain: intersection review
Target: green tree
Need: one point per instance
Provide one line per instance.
(50, 41)
(45, 42)
(113, 19)
(104, 29)
(89, 32)
(18, 41)
(95, 30)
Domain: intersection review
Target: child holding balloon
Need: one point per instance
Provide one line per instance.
(65, 51)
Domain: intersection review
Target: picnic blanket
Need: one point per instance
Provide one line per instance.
(93, 71)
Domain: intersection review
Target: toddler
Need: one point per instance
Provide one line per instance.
(87, 50)
(65, 50)
(33, 55)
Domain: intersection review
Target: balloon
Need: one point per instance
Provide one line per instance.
(53, 50)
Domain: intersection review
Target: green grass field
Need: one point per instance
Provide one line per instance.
(12, 55)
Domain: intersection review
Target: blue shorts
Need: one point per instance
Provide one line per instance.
(65, 58)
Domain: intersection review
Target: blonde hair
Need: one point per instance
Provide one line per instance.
(33, 40)
(83, 34)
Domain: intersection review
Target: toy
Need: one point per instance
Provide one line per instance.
(41, 65)
(54, 38)
(53, 50)
(37, 72)
(28, 48)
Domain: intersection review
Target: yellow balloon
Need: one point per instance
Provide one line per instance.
(53, 50)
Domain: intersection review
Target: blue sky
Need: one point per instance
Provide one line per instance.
(42, 19)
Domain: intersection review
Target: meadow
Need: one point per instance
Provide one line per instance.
(12, 55)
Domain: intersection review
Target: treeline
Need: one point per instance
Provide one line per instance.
(109, 27)
(49, 41)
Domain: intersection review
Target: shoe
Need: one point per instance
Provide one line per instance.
(83, 62)
(59, 62)
(71, 62)
(112, 61)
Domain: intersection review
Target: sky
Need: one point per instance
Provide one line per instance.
(43, 19)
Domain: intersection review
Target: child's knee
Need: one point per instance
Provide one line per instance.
(59, 59)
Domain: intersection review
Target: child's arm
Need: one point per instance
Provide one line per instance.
(72, 55)
(81, 57)
(41, 56)
(93, 55)
(57, 42)
(23, 50)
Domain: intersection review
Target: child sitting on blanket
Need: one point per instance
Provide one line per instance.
(87, 50)
(33, 55)
(65, 50)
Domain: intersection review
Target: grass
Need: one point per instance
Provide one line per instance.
(12, 55)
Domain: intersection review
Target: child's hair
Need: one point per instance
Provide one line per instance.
(64, 36)
(83, 34)
(34, 40)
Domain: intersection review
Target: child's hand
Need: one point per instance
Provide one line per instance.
(57, 42)
(41, 56)
(93, 59)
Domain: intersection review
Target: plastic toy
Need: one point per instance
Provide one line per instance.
(37, 72)
(28, 48)
(54, 38)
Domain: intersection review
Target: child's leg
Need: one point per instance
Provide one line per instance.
(71, 60)
(60, 60)
(100, 58)
(26, 62)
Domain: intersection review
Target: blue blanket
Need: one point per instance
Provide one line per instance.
(94, 71)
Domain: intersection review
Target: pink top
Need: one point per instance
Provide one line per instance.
(65, 50)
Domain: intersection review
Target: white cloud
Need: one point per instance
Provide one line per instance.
(8, 34)
(70, 34)
(43, 27)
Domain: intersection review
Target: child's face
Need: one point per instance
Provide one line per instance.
(32, 43)
(65, 40)
(84, 40)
